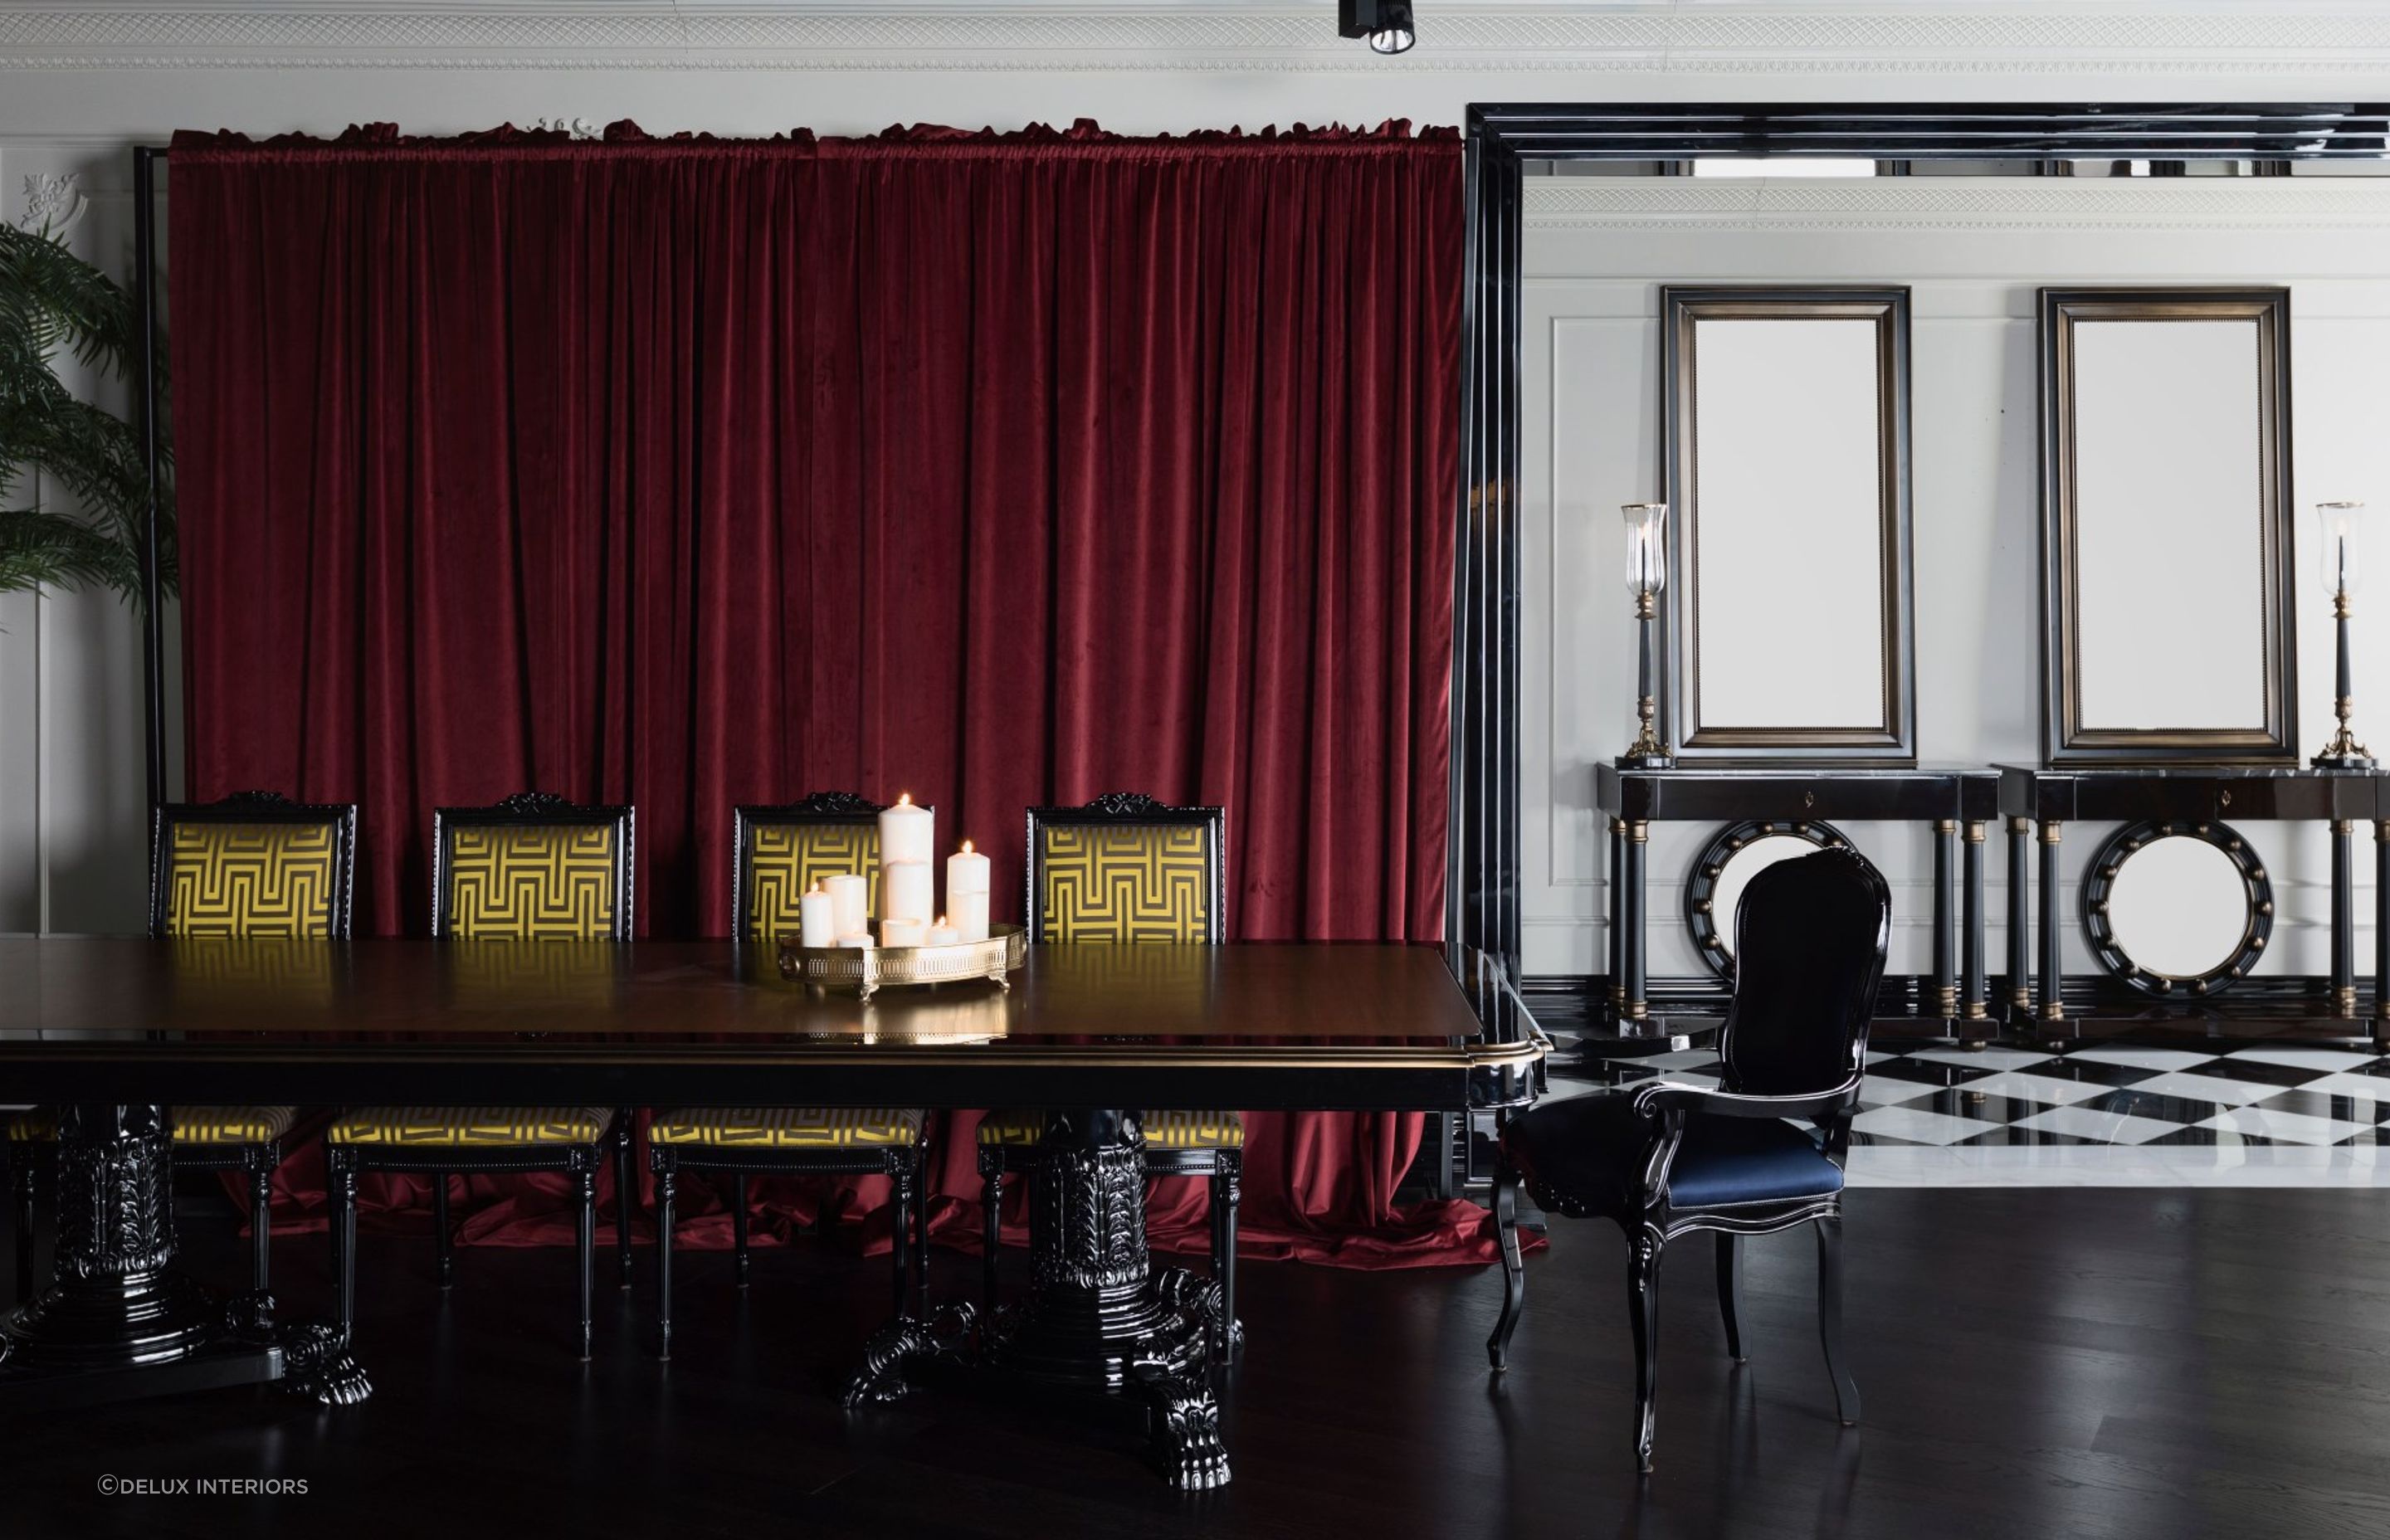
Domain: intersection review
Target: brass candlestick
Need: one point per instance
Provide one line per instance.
(2340, 571)
(1646, 573)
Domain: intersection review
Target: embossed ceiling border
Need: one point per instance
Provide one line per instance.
(1755, 39)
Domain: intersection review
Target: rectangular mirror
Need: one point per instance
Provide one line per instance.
(2165, 525)
(1787, 460)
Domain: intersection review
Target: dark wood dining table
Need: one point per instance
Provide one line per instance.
(113, 1030)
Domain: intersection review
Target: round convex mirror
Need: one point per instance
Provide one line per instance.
(2177, 908)
(1734, 855)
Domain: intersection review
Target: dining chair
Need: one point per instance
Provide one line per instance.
(1665, 1158)
(779, 853)
(253, 867)
(532, 891)
(1128, 869)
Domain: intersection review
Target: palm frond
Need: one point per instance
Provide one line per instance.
(37, 548)
(51, 296)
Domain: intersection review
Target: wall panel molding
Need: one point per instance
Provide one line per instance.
(1648, 37)
(1959, 203)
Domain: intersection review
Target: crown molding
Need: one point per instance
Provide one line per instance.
(1648, 37)
(1959, 203)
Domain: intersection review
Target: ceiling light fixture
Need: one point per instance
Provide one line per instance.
(1386, 23)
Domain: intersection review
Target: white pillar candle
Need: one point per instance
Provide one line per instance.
(905, 891)
(969, 912)
(902, 932)
(817, 918)
(967, 872)
(942, 934)
(908, 832)
(850, 902)
(860, 938)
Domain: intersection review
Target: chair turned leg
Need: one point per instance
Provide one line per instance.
(626, 1193)
(1227, 1175)
(342, 1178)
(921, 1230)
(441, 1239)
(900, 1233)
(584, 1195)
(1643, 1313)
(667, 1178)
(1730, 1282)
(738, 1230)
(1830, 1317)
(1514, 1267)
(990, 1231)
(261, 1219)
(22, 1176)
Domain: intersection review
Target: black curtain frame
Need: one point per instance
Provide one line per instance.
(145, 304)
(1482, 920)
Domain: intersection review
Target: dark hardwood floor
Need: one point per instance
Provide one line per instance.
(2049, 1363)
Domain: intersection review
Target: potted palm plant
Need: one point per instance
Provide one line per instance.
(73, 490)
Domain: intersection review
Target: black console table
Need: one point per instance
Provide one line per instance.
(1960, 802)
(2196, 800)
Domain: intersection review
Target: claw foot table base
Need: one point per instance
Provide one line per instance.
(1097, 1319)
(118, 1320)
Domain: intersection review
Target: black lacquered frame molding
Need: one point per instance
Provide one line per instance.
(2066, 737)
(532, 810)
(1893, 739)
(1702, 883)
(257, 807)
(1131, 808)
(815, 809)
(2099, 933)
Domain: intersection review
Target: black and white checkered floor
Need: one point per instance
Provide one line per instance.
(2096, 1114)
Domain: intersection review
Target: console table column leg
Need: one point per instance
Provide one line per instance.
(1945, 1000)
(2020, 974)
(2382, 922)
(2053, 999)
(2344, 917)
(1616, 928)
(1630, 941)
(1971, 991)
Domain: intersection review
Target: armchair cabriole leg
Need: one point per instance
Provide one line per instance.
(1227, 1179)
(1643, 1313)
(20, 1175)
(626, 1193)
(1729, 1288)
(443, 1237)
(739, 1258)
(1514, 1267)
(990, 1231)
(585, 1193)
(1829, 1316)
(900, 1233)
(921, 1230)
(667, 1179)
(343, 1179)
(260, 1220)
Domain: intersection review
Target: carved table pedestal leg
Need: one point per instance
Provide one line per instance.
(119, 1320)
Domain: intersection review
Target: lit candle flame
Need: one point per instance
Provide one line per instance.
(903, 798)
(967, 847)
(941, 922)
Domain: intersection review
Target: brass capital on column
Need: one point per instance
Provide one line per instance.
(1975, 831)
(2344, 1001)
(1617, 826)
(1946, 1000)
(2019, 824)
(2049, 830)
(2382, 832)
(1638, 831)
(2344, 827)
(2053, 1011)
(2020, 997)
(1946, 825)
(1978, 1012)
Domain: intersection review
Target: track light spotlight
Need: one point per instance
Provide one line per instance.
(1386, 23)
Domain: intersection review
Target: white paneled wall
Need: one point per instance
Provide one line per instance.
(1972, 250)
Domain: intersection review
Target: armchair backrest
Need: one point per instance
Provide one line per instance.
(1127, 868)
(533, 868)
(1810, 939)
(782, 848)
(255, 865)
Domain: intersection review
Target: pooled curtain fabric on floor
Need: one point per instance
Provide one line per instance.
(1001, 470)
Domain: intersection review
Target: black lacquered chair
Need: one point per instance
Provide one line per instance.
(1665, 1160)
(781, 851)
(254, 882)
(534, 893)
(1128, 869)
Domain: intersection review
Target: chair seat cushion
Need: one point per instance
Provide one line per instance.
(478, 1126)
(1583, 1152)
(1171, 1128)
(190, 1125)
(788, 1128)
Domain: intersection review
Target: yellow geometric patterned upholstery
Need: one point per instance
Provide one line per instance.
(530, 881)
(1129, 882)
(231, 1124)
(254, 881)
(788, 1128)
(189, 1124)
(1171, 1128)
(784, 859)
(478, 1126)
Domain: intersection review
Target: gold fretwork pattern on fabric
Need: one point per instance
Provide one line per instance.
(32, 1125)
(530, 881)
(254, 881)
(1132, 882)
(481, 1126)
(788, 1128)
(1172, 1129)
(231, 1124)
(784, 859)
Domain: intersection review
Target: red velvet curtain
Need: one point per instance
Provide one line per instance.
(1003, 469)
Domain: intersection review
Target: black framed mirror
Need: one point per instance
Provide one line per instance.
(2166, 526)
(1787, 462)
